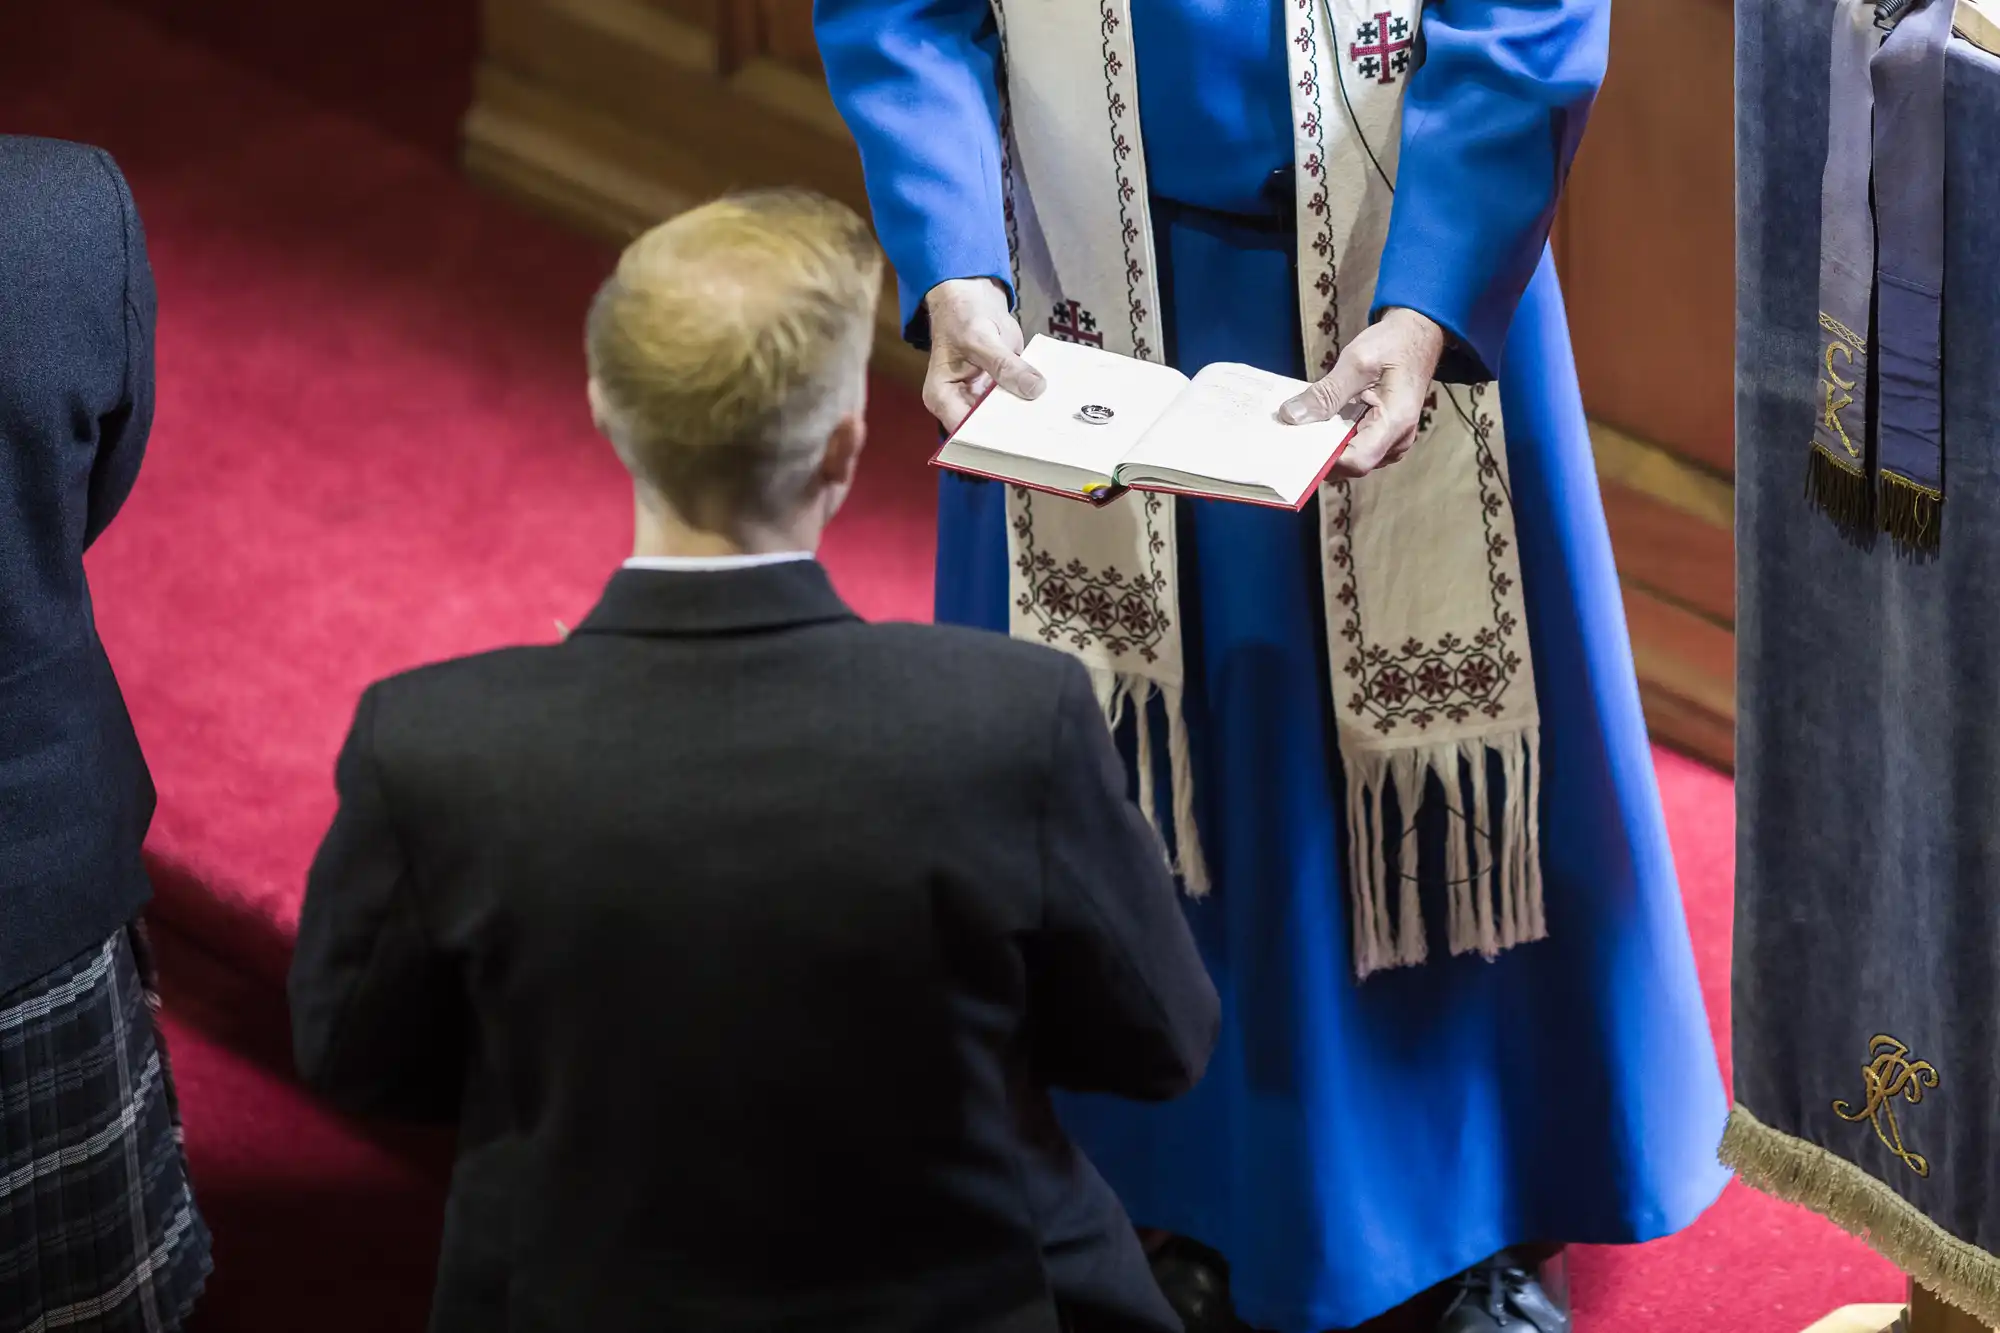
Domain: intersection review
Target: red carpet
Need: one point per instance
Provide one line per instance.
(1751, 1264)
(319, 1227)
(372, 451)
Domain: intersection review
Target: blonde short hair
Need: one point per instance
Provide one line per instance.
(729, 343)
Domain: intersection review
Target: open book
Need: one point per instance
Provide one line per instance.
(1108, 423)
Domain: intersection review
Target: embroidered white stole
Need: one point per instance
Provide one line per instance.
(1427, 640)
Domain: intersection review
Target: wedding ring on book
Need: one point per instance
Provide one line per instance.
(1092, 413)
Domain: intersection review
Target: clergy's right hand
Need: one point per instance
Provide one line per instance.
(975, 344)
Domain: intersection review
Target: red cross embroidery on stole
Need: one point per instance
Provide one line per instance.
(1381, 48)
(1073, 324)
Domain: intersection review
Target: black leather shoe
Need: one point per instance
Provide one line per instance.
(1503, 1296)
(1195, 1281)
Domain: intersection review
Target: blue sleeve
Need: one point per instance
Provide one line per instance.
(1490, 123)
(916, 82)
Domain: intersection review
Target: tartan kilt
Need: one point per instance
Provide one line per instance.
(99, 1232)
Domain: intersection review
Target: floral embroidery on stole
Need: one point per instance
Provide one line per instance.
(1433, 687)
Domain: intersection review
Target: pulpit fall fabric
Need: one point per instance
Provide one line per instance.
(1867, 961)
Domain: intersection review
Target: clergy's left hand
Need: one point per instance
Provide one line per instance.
(1387, 366)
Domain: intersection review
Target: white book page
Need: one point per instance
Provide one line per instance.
(1054, 427)
(1226, 426)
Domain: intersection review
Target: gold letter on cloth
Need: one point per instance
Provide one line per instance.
(1834, 396)
(1889, 1074)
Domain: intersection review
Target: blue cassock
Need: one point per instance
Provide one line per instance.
(1353, 1144)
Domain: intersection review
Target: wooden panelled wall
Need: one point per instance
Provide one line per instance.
(1646, 247)
(615, 113)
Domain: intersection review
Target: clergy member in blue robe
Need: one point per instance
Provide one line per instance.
(1353, 1143)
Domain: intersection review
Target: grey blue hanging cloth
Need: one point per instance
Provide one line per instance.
(1865, 985)
(1877, 461)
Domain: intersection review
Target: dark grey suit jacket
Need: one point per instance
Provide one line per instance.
(76, 404)
(744, 940)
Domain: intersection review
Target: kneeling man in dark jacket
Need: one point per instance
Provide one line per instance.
(743, 939)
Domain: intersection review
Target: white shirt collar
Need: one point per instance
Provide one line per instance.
(692, 564)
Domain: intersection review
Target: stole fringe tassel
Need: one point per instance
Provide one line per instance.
(1912, 515)
(1118, 695)
(1806, 1174)
(1493, 863)
(1839, 490)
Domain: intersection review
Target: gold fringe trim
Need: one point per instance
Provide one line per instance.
(1839, 490)
(1911, 514)
(1806, 1174)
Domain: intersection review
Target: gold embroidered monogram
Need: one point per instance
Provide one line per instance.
(1837, 466)
(1891, 1074)
(1836, 389)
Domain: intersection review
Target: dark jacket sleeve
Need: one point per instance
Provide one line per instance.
(1119, 1001)
(378, 1013)
(122, 433)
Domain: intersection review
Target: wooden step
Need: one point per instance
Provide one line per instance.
(1686, 664)
(607, 173)
(1861, 1319)
(639, 66)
